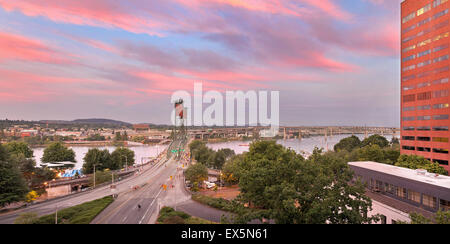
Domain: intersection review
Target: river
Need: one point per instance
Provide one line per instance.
(305, 145)
(80, 152)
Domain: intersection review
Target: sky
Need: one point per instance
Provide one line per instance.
(334, 62)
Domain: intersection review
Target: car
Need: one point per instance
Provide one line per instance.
(209, 185)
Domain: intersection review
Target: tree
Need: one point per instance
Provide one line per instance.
(12, 184)
(291, 190)
(57, 152)
(419, 162)
(196, 144)
(228, 152)
(18, 148)
(196, 173)
(348, 144)
(96, 137)
(31, 196)
(230, 170)
(395, 141)
(100, 158)
(376, 139)
(121, 157)
(441, 217)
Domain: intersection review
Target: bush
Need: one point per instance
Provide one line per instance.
(218, 203)
(167, 213)
(173, 220)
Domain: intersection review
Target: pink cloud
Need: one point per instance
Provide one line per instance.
(330, 8)
(101, 13)
(16, 47)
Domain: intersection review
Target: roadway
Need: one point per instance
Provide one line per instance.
(125, 209)
(149, 178)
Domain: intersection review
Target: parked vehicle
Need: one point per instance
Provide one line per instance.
(209, 185)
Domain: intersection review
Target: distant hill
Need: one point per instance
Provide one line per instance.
(89, 121)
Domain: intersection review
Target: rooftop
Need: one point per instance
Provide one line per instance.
(429, 178)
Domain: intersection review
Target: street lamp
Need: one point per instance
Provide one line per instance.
(126, 162)
(56, 212)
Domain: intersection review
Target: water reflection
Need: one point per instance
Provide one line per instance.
(304, 146)
(80, 152)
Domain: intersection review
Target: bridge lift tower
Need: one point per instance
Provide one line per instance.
(179, 131)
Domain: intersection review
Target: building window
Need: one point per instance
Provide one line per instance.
(409, 98)
(408, 128)
(389, 188)
(407, 88)
(441, 47)
(408, 118)
(401, 192)
(409, 17)
(439, 94)
(409, 148)
(444, 205)
(424, 128)
(440, 81)
(440, 117)
(429, 201)
(440, 150)
(423, 138)
(441, 162)
(409, 48)
(423, 149)
(438, 2)
(421, 54)
(440, 59)
(423, 117)
(440, 128)
(414, 196)
(409, 57)
(441, 106)
(425, 107)
(424, 96)
(407, 109)
(408, 138)
(440, 139)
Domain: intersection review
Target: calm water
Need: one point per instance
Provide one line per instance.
(80, 152)
(306, 145)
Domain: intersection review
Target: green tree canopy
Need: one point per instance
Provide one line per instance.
(376, 139)
(100, 158)
(13, 187)
(290, 189)
(196, 144)
(196, 173)
(348, 144)
(419, 162)
(230, 170)
(17, 148)
(121, 157)
(57, 152)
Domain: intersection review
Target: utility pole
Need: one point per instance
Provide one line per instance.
(94, 175)
(56, 215)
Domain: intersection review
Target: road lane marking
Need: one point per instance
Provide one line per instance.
(151, 204)
(142, 191)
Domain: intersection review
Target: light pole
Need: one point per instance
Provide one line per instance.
(126, 162)
(94, 174)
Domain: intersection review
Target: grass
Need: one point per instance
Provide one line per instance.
(168, 215)
(80, 214)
